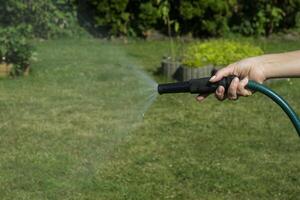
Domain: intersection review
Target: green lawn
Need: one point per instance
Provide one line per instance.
(74, 130)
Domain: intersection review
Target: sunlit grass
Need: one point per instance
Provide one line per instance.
(73, 130)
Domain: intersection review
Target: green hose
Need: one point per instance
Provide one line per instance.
(279, 100)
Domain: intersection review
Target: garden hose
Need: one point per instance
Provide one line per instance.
(203, 86)
(252, 85)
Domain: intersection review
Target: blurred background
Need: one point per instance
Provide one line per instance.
(48, 19)
(79, 114)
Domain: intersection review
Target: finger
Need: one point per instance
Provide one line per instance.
(222, 73)
(242, 91)
(232, 95)
(200, 98)
(220, 93)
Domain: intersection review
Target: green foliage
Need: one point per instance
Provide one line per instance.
(206, 17)
(148, 16)
(46, 18)
(218, 52)
(202, 18)
(128, 17)
(262, 17)
(111, 15)
(15, 49)
(297, 20)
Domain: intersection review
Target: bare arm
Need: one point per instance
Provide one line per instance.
(282, 65)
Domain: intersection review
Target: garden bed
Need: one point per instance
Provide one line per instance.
(199, 59)
(177, 71)
(169, 67)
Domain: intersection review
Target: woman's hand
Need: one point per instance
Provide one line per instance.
(260, 68)
(244, 70)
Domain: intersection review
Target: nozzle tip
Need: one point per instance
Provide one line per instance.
(159, 89)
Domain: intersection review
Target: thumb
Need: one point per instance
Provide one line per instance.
(224, 72)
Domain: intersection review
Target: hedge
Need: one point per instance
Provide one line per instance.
(201, 17)
(45, 18)
(52, 18)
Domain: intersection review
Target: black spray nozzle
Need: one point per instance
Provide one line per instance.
(194, 86)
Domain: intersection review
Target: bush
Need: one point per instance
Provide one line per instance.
(46, 18)
(52, 18)
(148, 17)
(129, 17)
(201, 18)
(14, 49)
(260, 17)
(205, 17)
(111, 15)
(125, 17)
(218, 53)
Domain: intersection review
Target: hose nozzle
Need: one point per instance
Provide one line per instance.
(194, 86)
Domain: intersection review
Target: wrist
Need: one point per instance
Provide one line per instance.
(268, 65)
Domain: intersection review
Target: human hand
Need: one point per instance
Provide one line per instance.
(244, 70)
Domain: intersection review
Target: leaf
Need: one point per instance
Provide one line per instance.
(176, 27)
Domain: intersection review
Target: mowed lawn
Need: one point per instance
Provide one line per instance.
(73, 129)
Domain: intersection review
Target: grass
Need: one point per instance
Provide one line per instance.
(73, 130)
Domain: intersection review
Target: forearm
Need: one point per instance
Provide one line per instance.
(282, 65)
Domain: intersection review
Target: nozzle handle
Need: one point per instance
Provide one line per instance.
(204, 86)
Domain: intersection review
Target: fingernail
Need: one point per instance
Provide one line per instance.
(236, 79)
(219, 90)
(212, 78)
(245, 80)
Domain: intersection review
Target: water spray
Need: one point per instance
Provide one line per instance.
(203, 86)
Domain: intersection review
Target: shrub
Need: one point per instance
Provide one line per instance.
(205, 17)
(130, 17)
(260, 17)
(125, 17)
(15, 49)
(45, 18)
(291, 9)
(201, 17)
(218, 53)
(111, 15)
(52, 18)
(148, 17)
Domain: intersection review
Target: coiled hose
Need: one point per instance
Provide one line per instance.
(252, 85)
